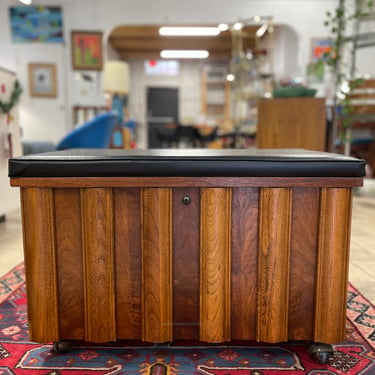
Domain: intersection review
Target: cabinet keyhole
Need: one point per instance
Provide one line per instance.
(186, 200)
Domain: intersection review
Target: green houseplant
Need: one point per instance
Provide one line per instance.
(341, 23)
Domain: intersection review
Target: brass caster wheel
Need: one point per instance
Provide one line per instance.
(320, 353)
(61, 347)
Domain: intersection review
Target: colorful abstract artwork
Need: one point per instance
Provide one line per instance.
(36, 24)
(87, 52)
(320, 46)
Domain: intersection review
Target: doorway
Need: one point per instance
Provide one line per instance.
(162, 116)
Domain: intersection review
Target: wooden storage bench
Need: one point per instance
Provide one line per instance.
(210, 245)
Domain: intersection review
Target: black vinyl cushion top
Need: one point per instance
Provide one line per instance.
(186, 163)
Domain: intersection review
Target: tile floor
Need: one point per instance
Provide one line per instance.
(362, 259)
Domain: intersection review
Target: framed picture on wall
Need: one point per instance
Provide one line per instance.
(42, 80)
(33, 24)
(87, 50)
(320, 46)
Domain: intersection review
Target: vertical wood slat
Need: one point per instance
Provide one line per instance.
(186, 264)
(98, 250)
(303, 255)
(273, 268)
(128, 263)
(244, 263)
(69, 263)
(40, 262)
(215, 221)
(156, 264)
(332, 264)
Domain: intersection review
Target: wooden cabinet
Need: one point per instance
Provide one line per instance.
(292, 123)
(132, 258)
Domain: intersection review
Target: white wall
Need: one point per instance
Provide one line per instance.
(302, 19)
(188, 82)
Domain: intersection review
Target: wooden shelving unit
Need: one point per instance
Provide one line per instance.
(215, 96)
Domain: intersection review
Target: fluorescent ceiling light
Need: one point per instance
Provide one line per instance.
(184, 54)
(189, 31)
(27, 2)
(262, 30)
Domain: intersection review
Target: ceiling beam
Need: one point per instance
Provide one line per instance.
(143, 42)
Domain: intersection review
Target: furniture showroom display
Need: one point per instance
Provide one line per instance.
(209, 245)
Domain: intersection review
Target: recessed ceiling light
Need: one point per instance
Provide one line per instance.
(223, 27)
(184, 54)
(27, 2)
(231, 77)
(189, 31)
(238, 26)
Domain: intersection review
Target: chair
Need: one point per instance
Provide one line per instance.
(167, 134)
(207, 134)
(187, 136)
(95, 133)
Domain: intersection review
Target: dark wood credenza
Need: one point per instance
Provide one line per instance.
(210, 245)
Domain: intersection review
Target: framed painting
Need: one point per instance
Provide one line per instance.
(33, 24)
(320, 46)
(87, 50)
(42, 80)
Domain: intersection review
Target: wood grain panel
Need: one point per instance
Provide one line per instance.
(215, 225)
(332, 265)
(128, 263)
(273, 269)
(188, 182)
(186, 264)
(69, 263)
(156, 264)
(40, 262)
(280, 124)
(98, 249)
(244, 263)
(303, 255)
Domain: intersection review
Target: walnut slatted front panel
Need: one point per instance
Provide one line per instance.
(98, 260)
(69, 256)
(215, 224)
(333, 260)
(40, 262)
(128, 263)
(237, 263)
(244, 278)
(186, 259)
(303, 256)
(157, 264)
(273, 268)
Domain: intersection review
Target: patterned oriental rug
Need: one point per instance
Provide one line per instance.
(356, 355)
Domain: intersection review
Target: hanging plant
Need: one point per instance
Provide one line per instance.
(6, 107)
